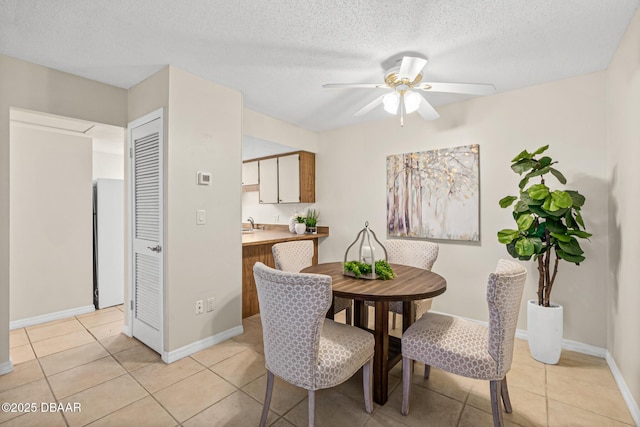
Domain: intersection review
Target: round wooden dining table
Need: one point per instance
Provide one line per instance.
(410, 284)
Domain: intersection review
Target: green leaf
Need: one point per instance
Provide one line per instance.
(555, 226)
(540, 150)
(561, 199)
(524, 196)
(572, 247)
(538, 172)
(521, 207)
(579, 233)
(558, 175)
(561, 237)
(568, 217)
(537, 244)
(545, 161)
(523, 165)
(538, 191)
(577, 259)
(525, 222)
(559, 213)
(537, 210)
(578, 199)
(507, 201)
(523, 182)
(524, 247)
(511, 249)
(579, 218)
(524, 154)
(506, 236)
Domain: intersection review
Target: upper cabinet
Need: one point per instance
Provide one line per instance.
(250, 177)
(289, 178)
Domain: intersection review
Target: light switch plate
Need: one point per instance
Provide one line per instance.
(201, 217)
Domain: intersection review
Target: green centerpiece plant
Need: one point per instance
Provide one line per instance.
(549, 222)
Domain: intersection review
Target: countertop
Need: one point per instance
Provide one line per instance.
(260, 237)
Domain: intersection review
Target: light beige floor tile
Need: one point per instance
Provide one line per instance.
(22, 374)
(18, 337)
(255, 318)
(426, 408)
(137, 357)
(22, 353)
(353, 387)
(252, 334)
(529, 409)
(284, 397)
(71, 358)
(332, 409)
(473, 417)
(561, 415)
(83, 377)
(103, 399)
(605, 401)
(451, 385)
(62, 342)
(522, 355)
(380, 420)
(54, 329)
(34, 392)
(242, 368)
(158, 375)
(120, 307)
(101, 317)
(37, 419)
(583, 368)
(528, 378)
(219, 352)
(143, 413)
(282, 423)
(188, 397)
(117, 343)
(235, 410)
(107, 330)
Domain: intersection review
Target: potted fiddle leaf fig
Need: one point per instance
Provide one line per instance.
(549, 223)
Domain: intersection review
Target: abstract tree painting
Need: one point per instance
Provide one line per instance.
(434, 194)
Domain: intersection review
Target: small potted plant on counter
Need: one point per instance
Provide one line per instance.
(549, 223)
(300, 225)
(312, 221)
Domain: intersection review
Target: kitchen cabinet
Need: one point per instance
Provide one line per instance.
(288, 178)
(250, 173)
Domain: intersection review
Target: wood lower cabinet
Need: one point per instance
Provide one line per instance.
(250, 255)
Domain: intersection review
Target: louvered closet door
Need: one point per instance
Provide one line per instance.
(147, 226)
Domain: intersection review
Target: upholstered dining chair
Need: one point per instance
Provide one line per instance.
(301, 346)
(469, 349)
(298, 254)
(414, 253)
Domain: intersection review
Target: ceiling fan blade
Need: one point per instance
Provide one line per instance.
(466, 88)
(356, 86)
(410, 67)
(426, 110)
(370, 106)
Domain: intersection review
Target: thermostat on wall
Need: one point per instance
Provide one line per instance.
(204, 178)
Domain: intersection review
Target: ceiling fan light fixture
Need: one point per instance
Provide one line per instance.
(411, 101)
(391, 101)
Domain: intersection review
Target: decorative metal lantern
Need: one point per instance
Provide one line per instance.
(366, 253)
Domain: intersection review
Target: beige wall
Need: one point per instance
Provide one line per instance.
(51, 229)
(32, 87)
(623, 126)
(568, 115)
(108, 165)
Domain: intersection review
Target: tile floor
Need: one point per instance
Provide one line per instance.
(117, 381)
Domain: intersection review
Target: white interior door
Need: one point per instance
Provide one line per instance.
(147, 261)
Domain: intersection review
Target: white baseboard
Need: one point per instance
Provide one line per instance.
(6, 367)
(188, 350)
(622, 385)
(49, 317)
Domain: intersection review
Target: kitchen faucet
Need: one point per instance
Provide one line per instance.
(250, 219)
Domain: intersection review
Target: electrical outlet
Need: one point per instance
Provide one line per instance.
(276, 218)
(210, 302)
(199, 307)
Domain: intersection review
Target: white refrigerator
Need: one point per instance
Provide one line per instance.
(108, 242)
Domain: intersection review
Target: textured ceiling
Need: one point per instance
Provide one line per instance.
(279, 53)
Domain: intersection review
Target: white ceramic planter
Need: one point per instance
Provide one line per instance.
(544, 326)
(300, 227)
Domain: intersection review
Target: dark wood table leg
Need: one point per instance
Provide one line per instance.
(330, 314)
(408, 313)
(359, 314)
(381, 354)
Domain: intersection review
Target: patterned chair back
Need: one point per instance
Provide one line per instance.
(504, 294)
(293, 256)
(292, 310)
(414, 253)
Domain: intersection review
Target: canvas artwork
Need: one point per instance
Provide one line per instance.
(434, 194)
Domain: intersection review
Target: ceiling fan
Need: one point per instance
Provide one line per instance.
(401, 83)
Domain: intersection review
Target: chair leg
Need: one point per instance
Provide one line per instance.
(267, 399)
(312, 408)
(393, 321)
(367, 385)
(427, 371)
(407, 368)
(496, 408)
(505, 396)
(348, 315)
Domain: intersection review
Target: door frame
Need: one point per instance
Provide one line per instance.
(154, 115)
